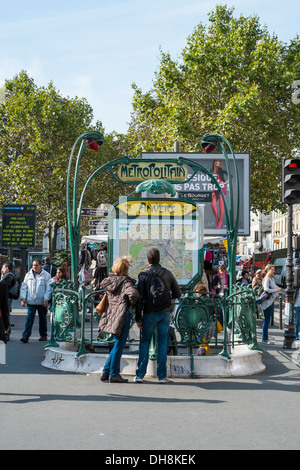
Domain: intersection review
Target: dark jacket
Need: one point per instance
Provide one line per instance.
(4, 309)
(216, 280)
(121, 293)
(144, 303)
(9, 279)
(50, 268)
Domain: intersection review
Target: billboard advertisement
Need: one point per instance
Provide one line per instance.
(203, 191)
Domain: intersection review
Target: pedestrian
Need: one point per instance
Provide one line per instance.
(4, 312)
(257, 282)
(258, 278)
(47, 266)
(8, 278)
(36, 293)
(66, 268)
(220, 281)
(157, 287)
(297, 313)
(244, 279)
(116, 318)
(267, 305)
(60, 275)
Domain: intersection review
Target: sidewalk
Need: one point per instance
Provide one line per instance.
(45, 409)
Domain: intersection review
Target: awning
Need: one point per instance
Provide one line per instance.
(94, 239)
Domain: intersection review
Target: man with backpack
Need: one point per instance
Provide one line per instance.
(157, 287)
(50, 268)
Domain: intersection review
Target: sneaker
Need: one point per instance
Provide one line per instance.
(163, 381)
(267, 341)
(138, 380)
(24, 340)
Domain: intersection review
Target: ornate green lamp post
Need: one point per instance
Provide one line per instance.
(211, 142)
(90, 140)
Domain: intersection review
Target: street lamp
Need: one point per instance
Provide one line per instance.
(92, 140)
(211, 142)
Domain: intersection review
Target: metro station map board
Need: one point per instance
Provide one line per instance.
(171, 226)
(18, 225)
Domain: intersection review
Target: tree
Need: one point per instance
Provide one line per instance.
(232, 78)
(38, 128)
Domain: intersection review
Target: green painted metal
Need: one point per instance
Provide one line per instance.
(193, 314)
(156, 187)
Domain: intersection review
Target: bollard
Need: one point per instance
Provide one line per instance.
(280, 311)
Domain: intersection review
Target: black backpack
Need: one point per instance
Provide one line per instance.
(14, 291)
(160, 296)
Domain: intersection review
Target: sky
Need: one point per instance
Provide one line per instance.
(98, 49)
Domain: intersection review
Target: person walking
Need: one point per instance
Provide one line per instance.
(297, 314)
(157, 287)
(36, 293)
(4, 312)
(8, 278)
(267, 305)
(116, 318)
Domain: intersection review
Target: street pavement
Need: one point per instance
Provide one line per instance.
(41, 409)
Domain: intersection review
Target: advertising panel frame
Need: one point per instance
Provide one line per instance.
(197, 187)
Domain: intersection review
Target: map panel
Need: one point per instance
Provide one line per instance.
(177, 242)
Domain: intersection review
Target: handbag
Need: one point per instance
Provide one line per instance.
(102, 304)
(262, 297)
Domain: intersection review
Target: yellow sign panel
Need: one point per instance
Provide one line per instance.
(152, 207)
(141, 171)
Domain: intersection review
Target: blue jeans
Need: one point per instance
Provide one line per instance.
(112, 365)
(297, 321)
(267, 314)
(31, 311)
(161, 320)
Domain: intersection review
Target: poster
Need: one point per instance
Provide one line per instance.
(201, 189)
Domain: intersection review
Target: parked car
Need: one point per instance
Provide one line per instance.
(280, 270)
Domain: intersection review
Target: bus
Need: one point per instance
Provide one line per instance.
(260, 260)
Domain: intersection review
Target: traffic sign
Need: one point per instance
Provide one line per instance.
(94, 211)
(98, 223)
(98, 232)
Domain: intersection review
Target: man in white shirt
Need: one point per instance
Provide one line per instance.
(36, 293)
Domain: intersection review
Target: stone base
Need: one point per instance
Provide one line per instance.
(243, 362)
(2, 353)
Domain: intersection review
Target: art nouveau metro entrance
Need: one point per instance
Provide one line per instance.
(153, 216)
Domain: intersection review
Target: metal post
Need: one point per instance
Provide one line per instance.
(176, 147)
(289, 335)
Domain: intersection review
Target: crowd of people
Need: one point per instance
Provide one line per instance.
(153, 299)
(264, 281)
(35, 294)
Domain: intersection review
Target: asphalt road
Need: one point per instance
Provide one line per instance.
(49, 410)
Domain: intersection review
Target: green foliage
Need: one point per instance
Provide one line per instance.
(38, 128)
(60, 257)
(232, 78)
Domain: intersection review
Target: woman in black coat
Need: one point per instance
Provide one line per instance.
(4, 312)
